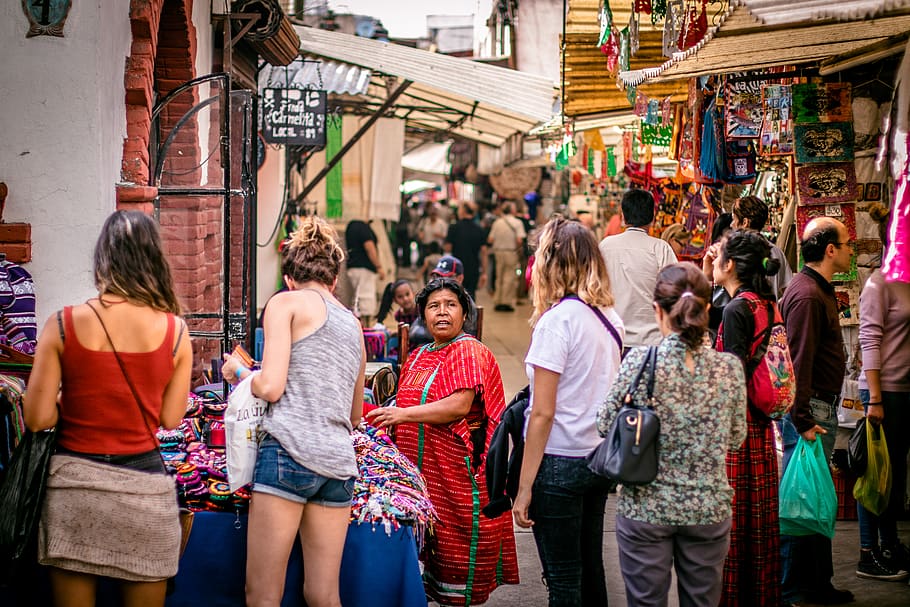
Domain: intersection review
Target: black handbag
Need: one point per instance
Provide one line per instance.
(857, 456)
(628, 454)
(21, 496)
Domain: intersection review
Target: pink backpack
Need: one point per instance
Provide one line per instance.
(770, 380)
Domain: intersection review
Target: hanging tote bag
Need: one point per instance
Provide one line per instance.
(873, 488)
(808, 501)
(21, 495)
(241, 427)
(628, 454)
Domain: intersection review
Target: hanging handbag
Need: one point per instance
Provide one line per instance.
(628, 454)
(186, 515)
(21, 495)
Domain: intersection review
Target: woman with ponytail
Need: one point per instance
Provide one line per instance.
(752, 569)
(683, 516)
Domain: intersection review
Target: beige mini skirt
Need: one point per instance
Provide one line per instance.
(109, 521)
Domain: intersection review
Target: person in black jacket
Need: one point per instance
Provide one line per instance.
(503, 464)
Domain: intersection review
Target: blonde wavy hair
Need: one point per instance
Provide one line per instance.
(312, 252)
(567, 261)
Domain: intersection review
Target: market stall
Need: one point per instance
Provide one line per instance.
(790, 103)
(390, 514)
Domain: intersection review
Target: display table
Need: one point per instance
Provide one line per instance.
(376, 569)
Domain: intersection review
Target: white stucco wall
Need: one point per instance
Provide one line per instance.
(538, 27)
(269, 197)
(202, 20)
(62, 119)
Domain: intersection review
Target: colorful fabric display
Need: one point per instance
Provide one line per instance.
(375, 343)
(18, 323)
(390, 491)
(194, 453)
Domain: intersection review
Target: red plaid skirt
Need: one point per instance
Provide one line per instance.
(752, 568)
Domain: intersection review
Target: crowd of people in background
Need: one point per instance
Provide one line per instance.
(600, 308)
(712, 511)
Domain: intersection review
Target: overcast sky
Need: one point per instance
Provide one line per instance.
(404, 18)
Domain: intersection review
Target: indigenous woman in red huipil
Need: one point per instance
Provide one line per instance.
(450, 399)
(742, 263)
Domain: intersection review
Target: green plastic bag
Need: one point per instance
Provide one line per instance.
(808, 501)
(873, 488)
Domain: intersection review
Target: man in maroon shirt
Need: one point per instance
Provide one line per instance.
(809, 308)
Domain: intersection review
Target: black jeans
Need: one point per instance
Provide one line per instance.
(567, 507)
(897, 434)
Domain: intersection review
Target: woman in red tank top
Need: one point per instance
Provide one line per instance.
(121, 365)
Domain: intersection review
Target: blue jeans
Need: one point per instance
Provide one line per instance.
(567, 507)
(278, 474)
(806, 561)
(897, 433)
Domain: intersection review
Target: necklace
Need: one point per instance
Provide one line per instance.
(433, 347)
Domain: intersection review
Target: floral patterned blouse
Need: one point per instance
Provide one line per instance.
(702, 416)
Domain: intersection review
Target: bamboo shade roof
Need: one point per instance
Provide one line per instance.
(589, 88)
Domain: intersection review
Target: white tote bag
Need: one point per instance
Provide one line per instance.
(241, 426)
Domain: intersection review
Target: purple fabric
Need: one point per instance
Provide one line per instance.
(18, 324)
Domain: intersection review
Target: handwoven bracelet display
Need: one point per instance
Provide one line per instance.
(390, 491)
(200, 470)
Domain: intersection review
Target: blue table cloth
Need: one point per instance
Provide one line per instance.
(376, 569)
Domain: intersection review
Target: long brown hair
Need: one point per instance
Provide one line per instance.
(129, 261)
(567, 261)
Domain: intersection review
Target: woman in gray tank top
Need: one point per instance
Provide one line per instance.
(312, 373)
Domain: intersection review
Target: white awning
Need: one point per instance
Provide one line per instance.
(468, 99)
(429, 157)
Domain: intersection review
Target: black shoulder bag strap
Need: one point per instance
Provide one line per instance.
(603, 319)
(129, 383)
(649, 364)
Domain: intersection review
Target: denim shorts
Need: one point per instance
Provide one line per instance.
(278, 474)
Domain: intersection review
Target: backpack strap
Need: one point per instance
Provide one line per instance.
(761, 341)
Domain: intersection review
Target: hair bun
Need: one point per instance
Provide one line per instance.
(771, 266)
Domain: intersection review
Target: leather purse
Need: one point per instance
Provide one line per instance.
(628, 454)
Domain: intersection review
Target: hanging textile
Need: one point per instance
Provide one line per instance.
(334, 183)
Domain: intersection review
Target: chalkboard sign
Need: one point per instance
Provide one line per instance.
(294, 116)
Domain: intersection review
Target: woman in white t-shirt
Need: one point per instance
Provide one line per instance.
(571, 364)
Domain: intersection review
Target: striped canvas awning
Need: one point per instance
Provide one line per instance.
(448, 95)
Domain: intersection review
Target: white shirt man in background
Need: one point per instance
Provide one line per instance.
(633, 260)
